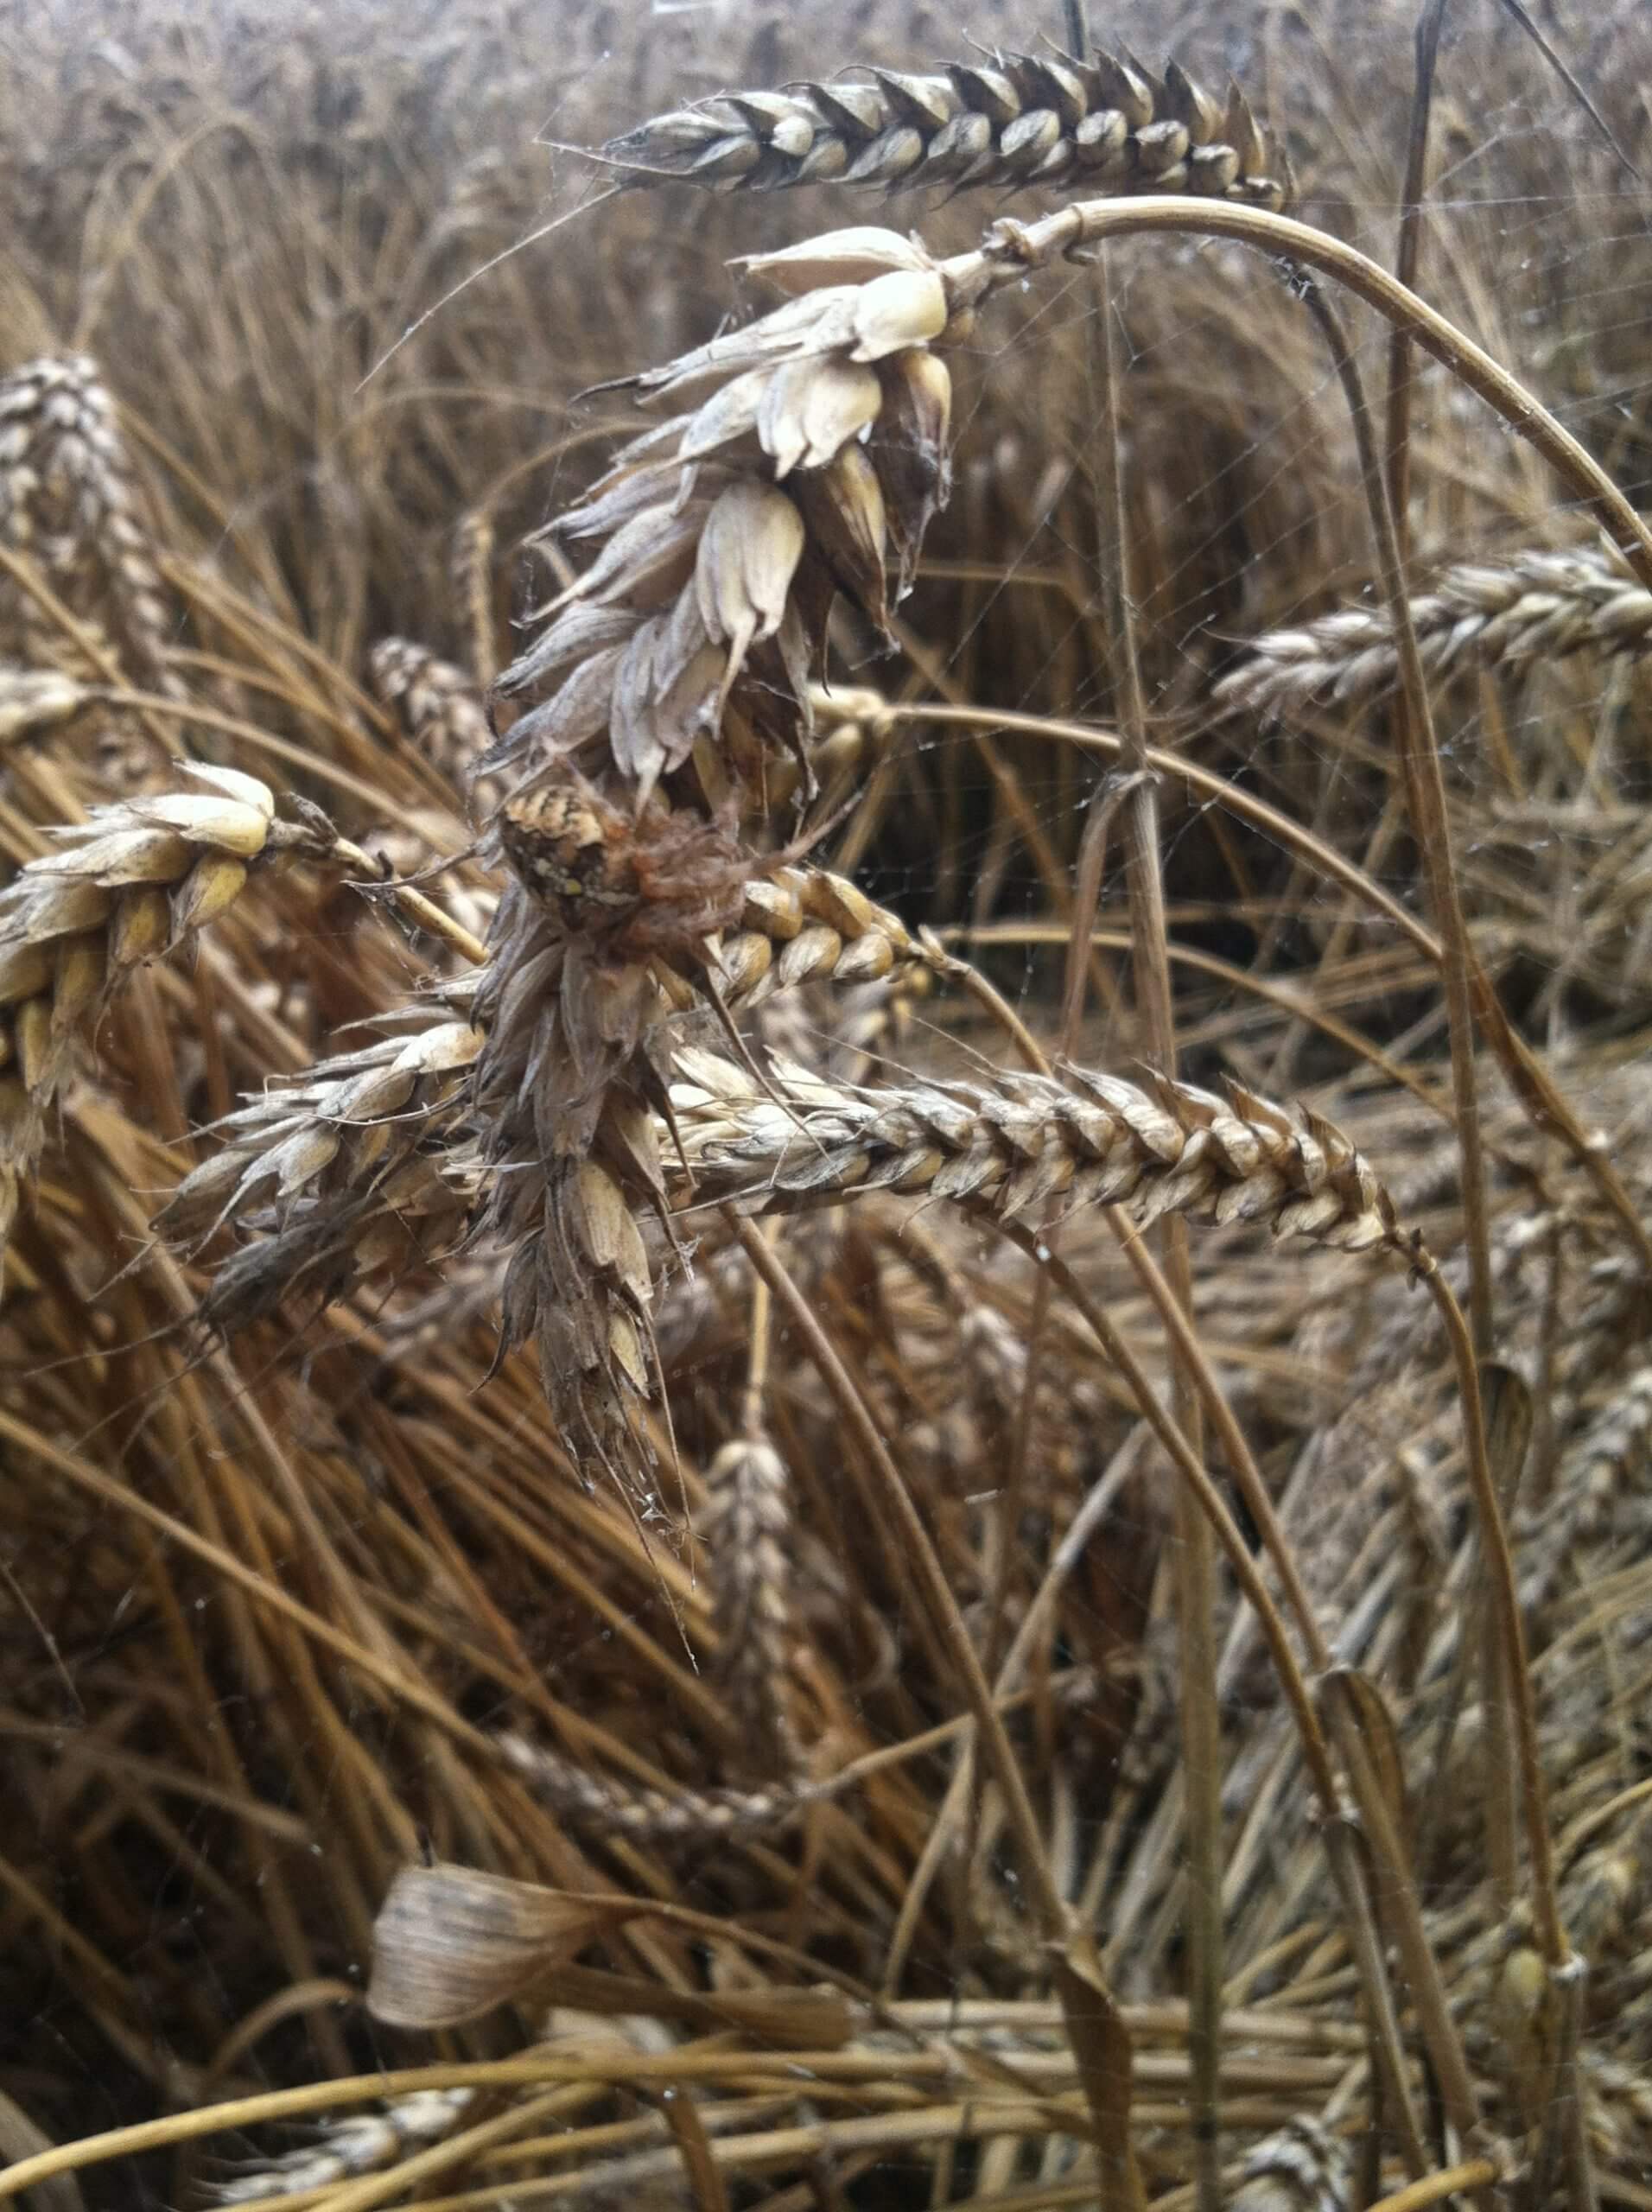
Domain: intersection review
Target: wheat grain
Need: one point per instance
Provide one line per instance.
(1027, 1143)
(1540, 607)
(1009, 119)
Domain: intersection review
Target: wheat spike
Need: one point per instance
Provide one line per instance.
(1106, 125)
(608, 1805)
(811, 465)
(1608, 1462)
(69, 501)
(438, 710)
(748, 1532)
(361, 2143)
(808, 454)
(1027, 1143)
(1302, 2168)
(337, 1176)
(1540, 607)
(131, 884)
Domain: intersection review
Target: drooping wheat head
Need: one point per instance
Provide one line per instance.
(136, 880)
(1104, 125)
(1540, 607)
(1027, 1143)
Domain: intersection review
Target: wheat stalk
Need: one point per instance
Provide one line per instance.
(1609, 1461)
(1540, 607)
(1107, 124)
(1027, 1143)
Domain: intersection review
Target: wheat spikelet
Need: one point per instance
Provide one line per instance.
(438, 710)
(69, 500)
(1027, 1143)
(33, 700)
(132, 883)
(1106, 125)
(360, 2143)
(1540, 607)
(811, 465)
(1302, 2167)
(337, 1175)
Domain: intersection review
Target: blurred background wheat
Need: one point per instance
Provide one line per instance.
(356, 1622)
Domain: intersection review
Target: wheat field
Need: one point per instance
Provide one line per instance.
(825, 1144)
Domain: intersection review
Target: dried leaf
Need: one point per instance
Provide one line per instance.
(451, 1942)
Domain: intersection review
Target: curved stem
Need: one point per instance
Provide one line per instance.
(1011, 248)
(1500, 1560)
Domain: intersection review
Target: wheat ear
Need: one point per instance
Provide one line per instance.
(1027, 1143)
(69, 502)
(804, 458)
(1106, 123)
(748, 1529)
(132, 883)
(438, 710)
(359, 2143)
(340, 1174)
(1301, 2168)
(1538, 607)
(606, 1805)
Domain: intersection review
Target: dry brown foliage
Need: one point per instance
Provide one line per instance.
(593, 1393)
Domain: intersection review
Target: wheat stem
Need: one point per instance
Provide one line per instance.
(1012, 248)
(1193, 1558)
